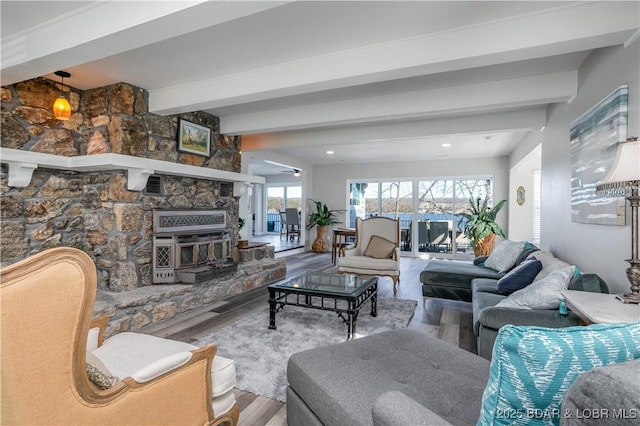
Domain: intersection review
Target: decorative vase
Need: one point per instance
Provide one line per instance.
(319, 245)
(484, 247)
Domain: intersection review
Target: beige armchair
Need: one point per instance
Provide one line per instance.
(376, 252)
(47, 305)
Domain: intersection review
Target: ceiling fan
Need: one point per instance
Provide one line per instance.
(295, 172)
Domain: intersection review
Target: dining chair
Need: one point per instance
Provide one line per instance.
(293, 223)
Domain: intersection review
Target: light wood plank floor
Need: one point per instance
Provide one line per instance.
(447, 320)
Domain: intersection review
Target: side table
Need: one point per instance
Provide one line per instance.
(340, 240)
(600, 308)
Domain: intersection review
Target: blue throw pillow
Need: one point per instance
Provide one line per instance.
(520, 276)
(533, 367)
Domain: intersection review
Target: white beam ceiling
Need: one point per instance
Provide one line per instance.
(310, 75)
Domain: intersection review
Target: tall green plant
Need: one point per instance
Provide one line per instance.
(323, 216)
(482, 220)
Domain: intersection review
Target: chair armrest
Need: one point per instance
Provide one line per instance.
(394, 408)
(131, 402)
(495, 317)
(96, 338)
(351, 251)
(396, 254)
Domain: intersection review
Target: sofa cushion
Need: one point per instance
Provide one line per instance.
(340, 383)
(380, 248)
(397, 409)
(589, 282)
(519, 277)
(533, 367)
(504, 256)
(543, 294)
(612, 391)
(452, 279)
(549, 263)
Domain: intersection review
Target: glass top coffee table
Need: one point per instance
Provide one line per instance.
(343, 294)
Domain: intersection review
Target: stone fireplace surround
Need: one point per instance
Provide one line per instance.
(95, 212)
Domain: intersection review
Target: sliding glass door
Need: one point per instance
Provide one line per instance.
(429, 210)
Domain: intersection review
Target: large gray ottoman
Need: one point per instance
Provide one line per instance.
(340, 384)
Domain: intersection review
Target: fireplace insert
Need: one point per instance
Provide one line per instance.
(190, 245)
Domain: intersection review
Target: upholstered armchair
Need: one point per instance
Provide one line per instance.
(47, 306)
(377, 250)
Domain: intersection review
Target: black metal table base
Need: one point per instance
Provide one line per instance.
(280, 297)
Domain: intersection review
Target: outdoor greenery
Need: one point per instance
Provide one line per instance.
(323, 216)
(481, 221)
(276, 204)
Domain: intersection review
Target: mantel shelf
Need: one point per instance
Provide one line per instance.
(22, 164)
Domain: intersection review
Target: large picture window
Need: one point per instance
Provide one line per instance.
(429, 210)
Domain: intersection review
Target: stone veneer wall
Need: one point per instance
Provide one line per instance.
(96, 213)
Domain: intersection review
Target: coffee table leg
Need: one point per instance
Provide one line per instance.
(354, 320)
(374, 304)
(272, 309)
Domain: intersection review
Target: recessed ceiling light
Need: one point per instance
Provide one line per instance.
(330, 152)
(446, 145)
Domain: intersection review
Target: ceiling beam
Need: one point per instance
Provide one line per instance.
(496, 122)
(105, 28)
(534, 35)
(525, 91)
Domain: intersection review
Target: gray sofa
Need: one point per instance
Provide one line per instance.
(478, 285)
(405, 377)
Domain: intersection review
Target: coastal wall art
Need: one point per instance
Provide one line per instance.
(593, 140)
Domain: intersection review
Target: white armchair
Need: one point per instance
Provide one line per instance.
(376, 252)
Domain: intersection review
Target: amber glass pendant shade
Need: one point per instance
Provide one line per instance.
(61, 107)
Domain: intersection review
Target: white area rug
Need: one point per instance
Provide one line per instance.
(261, 354)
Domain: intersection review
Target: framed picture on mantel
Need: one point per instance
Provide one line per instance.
(194, 138)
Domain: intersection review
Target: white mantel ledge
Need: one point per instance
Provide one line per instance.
(22, 164)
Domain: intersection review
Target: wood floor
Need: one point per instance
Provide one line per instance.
(450, 321)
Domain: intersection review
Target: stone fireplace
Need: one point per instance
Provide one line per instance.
(98, 210)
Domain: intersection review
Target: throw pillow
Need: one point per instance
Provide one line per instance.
(100, 379)
(519, 277)
(532, 368)
(549, 263)
(504, 256)
(380, 248)
(543, 294)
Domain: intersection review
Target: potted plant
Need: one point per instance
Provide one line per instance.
(481, 227)
(241, 242)
(321, 218)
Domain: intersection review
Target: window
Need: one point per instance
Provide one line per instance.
(278, 199)
(429, 210)
(537, 196)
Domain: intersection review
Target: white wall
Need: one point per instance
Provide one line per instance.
(330, 187)
(521, 174)
(594, 248)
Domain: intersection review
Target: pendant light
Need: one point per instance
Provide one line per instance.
(61, 107)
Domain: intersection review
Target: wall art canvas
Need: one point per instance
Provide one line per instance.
(193, 138)
(593, 138)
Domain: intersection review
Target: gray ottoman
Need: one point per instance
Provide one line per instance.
(340, 384)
